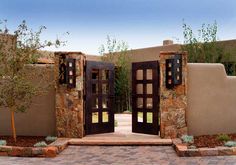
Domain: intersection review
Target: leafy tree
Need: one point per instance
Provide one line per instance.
(16, 75)
(117, 52)
(203, 47)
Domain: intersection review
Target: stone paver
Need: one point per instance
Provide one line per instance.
(119, 155)
(123, 135)
(124, 123)
(123, 130)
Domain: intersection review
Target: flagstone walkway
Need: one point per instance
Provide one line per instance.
(123, 135)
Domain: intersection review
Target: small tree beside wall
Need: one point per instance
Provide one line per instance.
(17, 88)
(117, 52)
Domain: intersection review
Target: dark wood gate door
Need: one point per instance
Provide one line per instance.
(99, 97)
(145, 97)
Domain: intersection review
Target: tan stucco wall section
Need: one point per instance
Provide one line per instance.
(151, 53)
(211, 100)
(143, 54)
(39, 120)
(93, 57)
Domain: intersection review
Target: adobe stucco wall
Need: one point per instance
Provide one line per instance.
(40, 119)
(211, 100)
(151, 53)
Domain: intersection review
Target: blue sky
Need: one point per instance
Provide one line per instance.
(141, 23)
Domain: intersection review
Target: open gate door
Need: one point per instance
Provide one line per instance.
(145, 97)
(99, 116)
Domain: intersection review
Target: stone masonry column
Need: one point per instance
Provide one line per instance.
(173, 102)
(69, 94)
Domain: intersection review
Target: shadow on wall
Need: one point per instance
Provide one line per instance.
(39, 120)
(211, 100)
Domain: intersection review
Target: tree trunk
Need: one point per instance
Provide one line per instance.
(13, 124)
(128, 100)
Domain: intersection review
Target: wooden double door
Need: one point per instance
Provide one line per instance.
(99, 113)
(145, 97)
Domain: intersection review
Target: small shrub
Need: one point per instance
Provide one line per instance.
(51, 138)
(230, 144)
(187, 139)
(3, 142)
(116, 123)
(40, 144)
(223, 137)
(192, 147)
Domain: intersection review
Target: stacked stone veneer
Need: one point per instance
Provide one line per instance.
(69, 101)
(173, 102)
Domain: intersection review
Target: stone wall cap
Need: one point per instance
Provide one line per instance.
(173, 52)
(65, 52)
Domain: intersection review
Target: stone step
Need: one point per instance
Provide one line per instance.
(126, 124)
(120, 142)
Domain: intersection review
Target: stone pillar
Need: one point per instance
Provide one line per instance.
(69, 100)
(173, 102)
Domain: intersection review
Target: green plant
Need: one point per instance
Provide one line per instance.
(116, 123)
(223, 137)
(187, 139)
(16, 76)
(3, 142)
(117, 52)
(230, 144)
(51, 138)
(130, 109)
(41, 144)
(204, 48)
